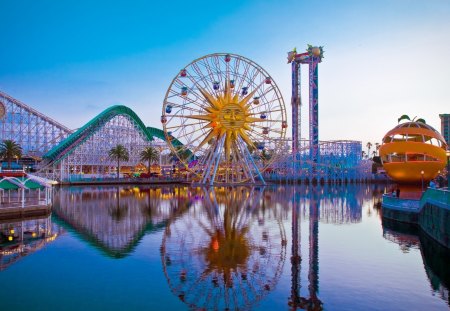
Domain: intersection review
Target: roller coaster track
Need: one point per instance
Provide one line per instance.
(63, 149)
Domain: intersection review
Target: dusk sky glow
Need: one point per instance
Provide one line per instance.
(73, 59)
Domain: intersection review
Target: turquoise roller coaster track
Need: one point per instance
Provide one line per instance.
(82, 134)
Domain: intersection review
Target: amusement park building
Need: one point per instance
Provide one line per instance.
(445, 126)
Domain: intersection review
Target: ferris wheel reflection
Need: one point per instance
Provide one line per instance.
(221, 254)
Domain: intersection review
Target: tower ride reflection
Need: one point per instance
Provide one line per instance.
(296, 300)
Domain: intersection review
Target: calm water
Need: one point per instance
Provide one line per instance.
(179, 248)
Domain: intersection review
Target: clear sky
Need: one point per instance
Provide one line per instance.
(72, 59)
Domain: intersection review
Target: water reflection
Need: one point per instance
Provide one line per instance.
(19, 238)
(224, 253)
(436, 258)
(221, 247)
(296, 300)
(403, 234)
(114, 219)
(225, 248)
(338, 205)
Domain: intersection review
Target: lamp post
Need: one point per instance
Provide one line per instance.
(421, 173)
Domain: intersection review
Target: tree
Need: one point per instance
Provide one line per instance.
(251, 148)
(181, 152)
(9, 150)
(377, 147)
(119, 153)
(150, 155)
(369, 145)
(266, 156)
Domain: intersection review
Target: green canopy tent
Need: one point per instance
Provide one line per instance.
(7, 185)
(30, 184)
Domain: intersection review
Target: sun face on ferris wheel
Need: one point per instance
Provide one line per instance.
(224, 117)
(229, 116)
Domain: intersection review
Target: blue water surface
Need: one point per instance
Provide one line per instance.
(180, 248)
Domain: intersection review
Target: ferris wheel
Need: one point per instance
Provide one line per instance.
(220, 256)
(224, 118)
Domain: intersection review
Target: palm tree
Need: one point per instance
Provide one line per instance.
(377, 147)
(9, 150)
(119, 153)
(149, 154)
(180, 152)
(266, 156)
(369, 145)
(252, 148)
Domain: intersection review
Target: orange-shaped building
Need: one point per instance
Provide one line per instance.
(412, 152)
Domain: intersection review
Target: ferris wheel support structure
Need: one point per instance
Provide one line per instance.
(250, 158)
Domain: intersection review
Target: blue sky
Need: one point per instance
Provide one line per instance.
(72, 59)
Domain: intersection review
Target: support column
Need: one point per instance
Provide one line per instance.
(314, 110)
(295, 102)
